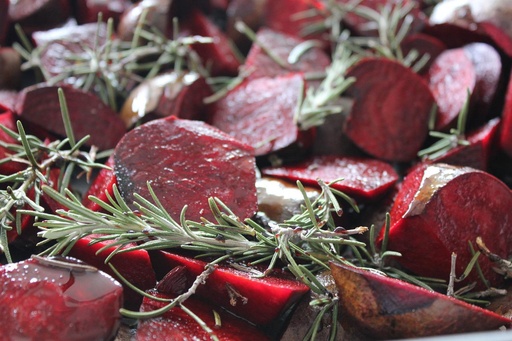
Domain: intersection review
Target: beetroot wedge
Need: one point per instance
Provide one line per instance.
(505, 137)
(176, 324)
(363, 178)
(260, 112)
(58, 299)
(39, 107)
(102, 184)
(314, 60)
(235, 290)
(186, 163)
(135, 266)
(388, 308)
(384, 121)
(423, 44)
(439, 210)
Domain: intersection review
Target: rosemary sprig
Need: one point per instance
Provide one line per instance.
(447, 142)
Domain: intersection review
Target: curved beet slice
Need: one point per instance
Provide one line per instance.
(39, 106)
(44, 300)
(389, 118)
(450, 78)
(439, 209)
(176, 324)
(186, 163)
(260, 112)
(423, 44)
(363, 178)
(280, 293)
(388, 308)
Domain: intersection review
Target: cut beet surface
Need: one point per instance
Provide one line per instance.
(44, 300)
(363, 178)
(388, 308)
(439, 210)
(261, 300)
(39, 107)
(176, 324)
(451, 76)
(134, 266)
(423, 44)
(389, 118)
(260, 112)
(186, 162)
(102, 184)
(505, 139)
(314, 60)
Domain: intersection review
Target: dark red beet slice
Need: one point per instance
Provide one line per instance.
(385, 122)
(454, 36)
(7, 119)
(61, 46)
(87, 11)
(186, 163)
(218, 56)
(262, 65)
(477, 154)
(505, 140)
(449, 206)
(260, 112)
(135, 266)
(39, 106)
(387, 308)
(39, 15)
(103, 183)
(363, 178)
(280, 293)
(283, 16)
(500, 39)
(42, 300)
(487, 65)
(248, 11)
(169, 94)
(424, 45)
(450, 78)
(176, 324)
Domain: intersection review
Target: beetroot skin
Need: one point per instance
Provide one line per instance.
(439, 209)
(42, 301)
(186, 162)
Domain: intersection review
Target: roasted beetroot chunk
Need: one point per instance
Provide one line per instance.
(134, 266)
(39, 15)
(314, 60)
(260, 112)
(102, 184)
(186, 162)
(44, 300)
(176, 324)
(363, 178)
(258, 300)
(387, 308)
(440, 209)
(389, 118)
(39, 107)
(505, 139)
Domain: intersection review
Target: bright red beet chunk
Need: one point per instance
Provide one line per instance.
(267, 297)
(389, 118)
(439, 209)
(505, 140)
(186, 163)
(260, 112)
(365, 179)
(176, 324)
(43, 301)
(101, 185)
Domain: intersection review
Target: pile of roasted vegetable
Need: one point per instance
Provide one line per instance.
(254, 169)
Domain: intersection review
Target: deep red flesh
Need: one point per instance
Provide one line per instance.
(101, 185)
(363, 178)
(266, 121)
(423, 44)
(505, 139)
(7, 119)
(177, 325)
(383, 122)
(34, 15)
(40, 107)
(43, 302)
(134, 266)
(439, 209)
(279, 293)
(186, 162)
